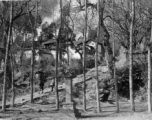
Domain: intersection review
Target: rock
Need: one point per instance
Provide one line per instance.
(104, 69)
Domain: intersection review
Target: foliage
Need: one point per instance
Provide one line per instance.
(70, 72)
(48, 31)
(139, 79)
(121, 20)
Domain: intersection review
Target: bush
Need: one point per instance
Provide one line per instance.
(139, 79)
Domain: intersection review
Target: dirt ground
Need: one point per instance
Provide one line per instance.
(47, 111)
(44, 109)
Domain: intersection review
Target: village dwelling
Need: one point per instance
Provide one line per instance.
(47, 50)
(75, 50)
(90, 47)
(50, 47)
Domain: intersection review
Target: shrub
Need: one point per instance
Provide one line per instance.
(139, 79)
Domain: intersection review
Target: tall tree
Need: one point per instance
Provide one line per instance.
(6, 58)
(149, 75)
(57, 59)
(84, 57)
(56, 74)
(62, 31)
(105, 37)
(96, 62)
(12, 67)
(33, 47)
(114, 67)
(149, 66)
(131, 56)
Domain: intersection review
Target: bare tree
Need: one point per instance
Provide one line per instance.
(12, 67)
(56, 74)
(149, 77)
(114, 67)
(131, 56)
(57, 59)
(84, 57)
(6, 59)
(149, 71)
(105, 37)
(33, 47)
(96, 62)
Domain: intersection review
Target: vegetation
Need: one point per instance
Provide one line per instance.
(84, 42)
(139, 79)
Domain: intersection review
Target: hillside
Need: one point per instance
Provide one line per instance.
(44, 104)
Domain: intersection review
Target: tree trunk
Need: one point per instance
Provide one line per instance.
(68, 52)
(13, 90)
(22, 51)
(149, 80)
(56, 74)
(131, 58)
(56, 67)
(105, 36)
(6, 60)
(60, 41)
(114, 67)
(33, 49)
(84, 58)
(12, 66)
(32, 71)
(149, 74)
(96, 63)
(58, 56)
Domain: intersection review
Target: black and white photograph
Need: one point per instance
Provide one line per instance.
(75, 60)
